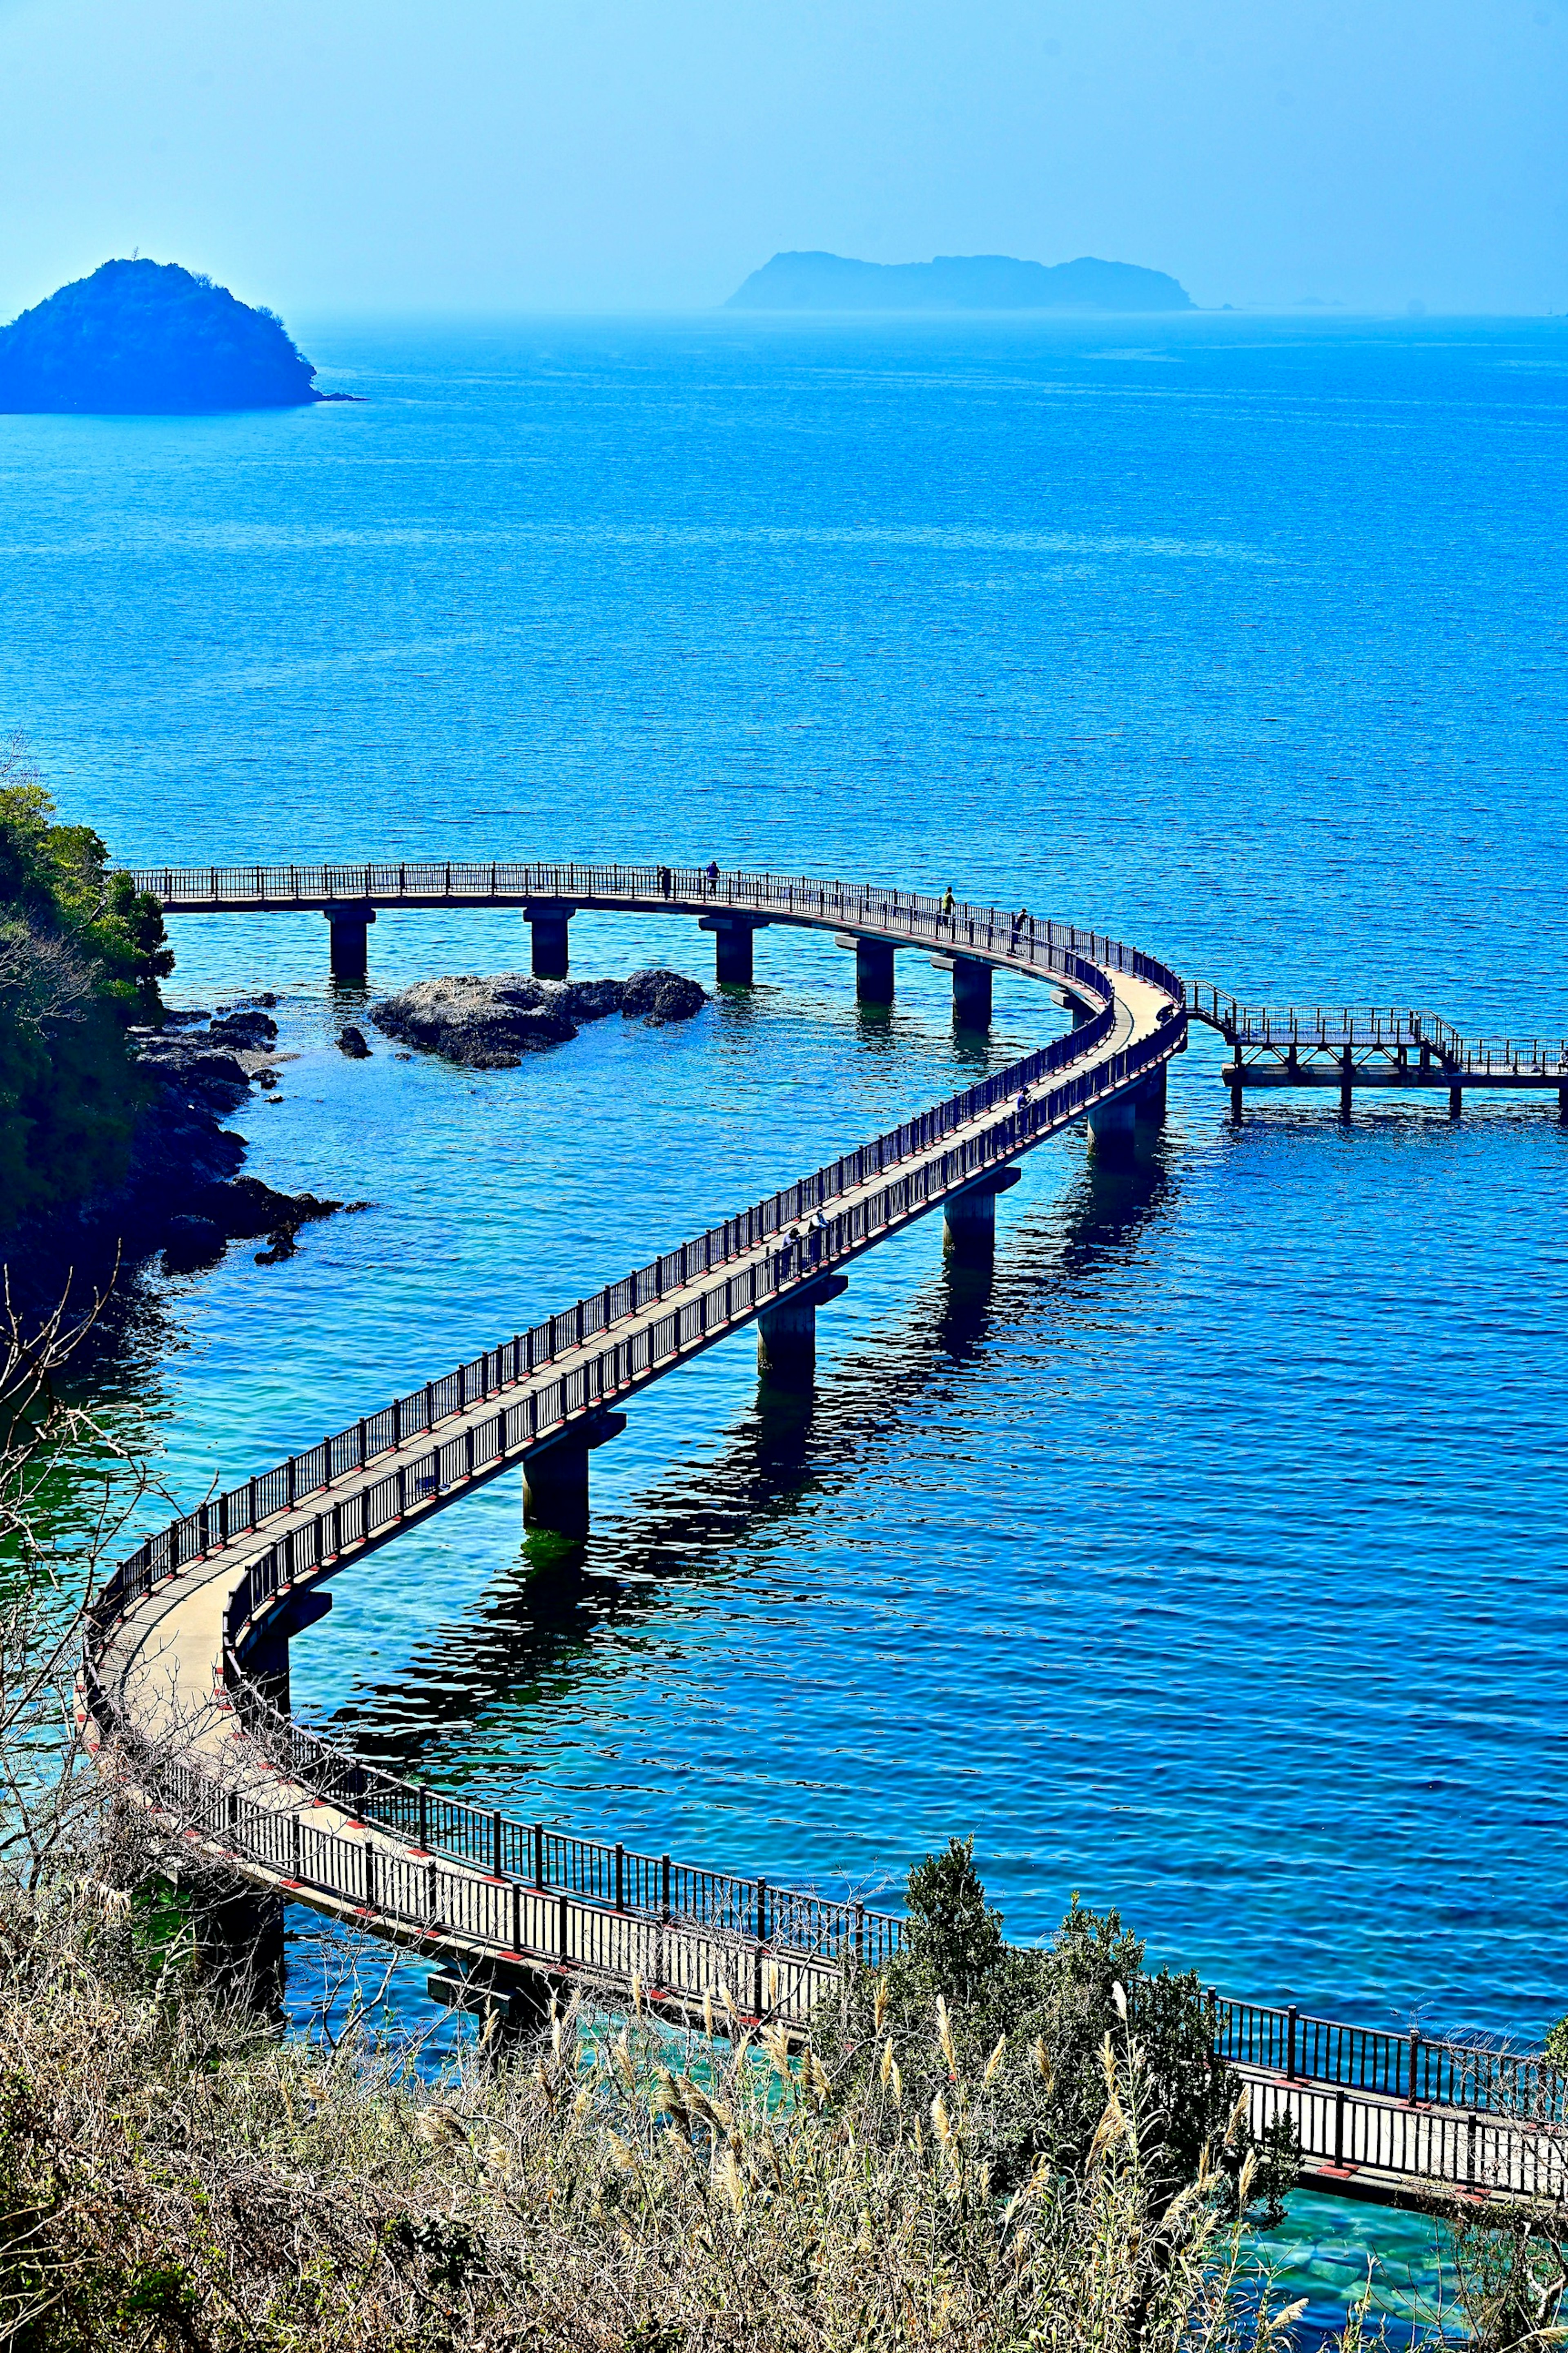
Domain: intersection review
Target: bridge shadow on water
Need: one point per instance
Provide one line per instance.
(539, 1620)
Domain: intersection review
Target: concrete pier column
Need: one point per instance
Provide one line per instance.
(786, 1335)
(1113, 1128)
(555, 1476)
(1347, 1065)
(971, 992)
(874, 972)
(548, 919)
(351, 922)
(1456, 1102)
(968, 1219)
(1149, 1102)
(238, 1934)
(733, 938)
(266, 1659)
(1563, 1103)
(1074, 1005)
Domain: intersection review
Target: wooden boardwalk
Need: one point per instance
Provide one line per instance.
(184, 1675)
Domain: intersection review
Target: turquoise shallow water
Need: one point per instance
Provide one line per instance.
(1206, 1560)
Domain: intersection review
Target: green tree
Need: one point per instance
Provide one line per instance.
(82, 955)
(1075, 2006)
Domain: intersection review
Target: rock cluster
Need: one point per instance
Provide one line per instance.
(489, 1023)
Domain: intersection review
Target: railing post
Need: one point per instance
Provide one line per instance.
(539, 1854)
(424, 1821)
(1290, 2044)
(620, 1876)
(517, 1916)
(664, 1887)
(1339, 2127)
(565, 1929)
(295, 1843)
(496, 1820)
(1413, 2078)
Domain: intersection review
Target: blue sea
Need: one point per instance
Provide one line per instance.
(1206, 1559)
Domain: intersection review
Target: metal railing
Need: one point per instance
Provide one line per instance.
(613, 1876)
(713, 1935)
(1389, 1030)
(922, 1161)
(920, 917)
(1418, 2069)
(585, 1383)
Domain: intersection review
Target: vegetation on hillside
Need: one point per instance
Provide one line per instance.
(148, 337)
(81, 954)
(178, 2176)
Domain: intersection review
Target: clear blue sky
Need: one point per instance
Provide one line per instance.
(600, 154)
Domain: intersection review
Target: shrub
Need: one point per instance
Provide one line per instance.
(81, 954)
(1054, 2006)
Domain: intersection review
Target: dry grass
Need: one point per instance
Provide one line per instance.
(176, 2175)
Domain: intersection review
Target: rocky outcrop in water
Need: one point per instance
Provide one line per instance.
(489, 1023)
(182, 1194)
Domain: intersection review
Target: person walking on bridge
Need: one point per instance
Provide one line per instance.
(712, 873)
(947, 904)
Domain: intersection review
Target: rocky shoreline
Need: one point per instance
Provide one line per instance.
(183, 1197)
(489, 1022)
(183, 1194)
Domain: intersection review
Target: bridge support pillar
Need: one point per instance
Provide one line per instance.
(1149, 1102)
(968, 1219)
(1074, 1005)
(733, 938)
(266, 1658)
(1456, 1102)
(555, 1476)
(786, 1335)
(1562, 1104)
(351, 925)
(971, 993)
(509, 2007)
(548, 919)
(1113, 1128)
(873, 972)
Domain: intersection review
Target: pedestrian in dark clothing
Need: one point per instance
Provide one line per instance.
(713, 877)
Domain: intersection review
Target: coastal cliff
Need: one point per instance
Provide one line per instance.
(981, 281)
(148, 338)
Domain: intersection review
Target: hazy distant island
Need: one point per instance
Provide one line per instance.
(148, 338)
(976, 281)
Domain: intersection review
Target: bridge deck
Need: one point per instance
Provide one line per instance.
(161, 1677)
(165, 1677)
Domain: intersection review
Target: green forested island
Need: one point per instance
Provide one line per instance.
(979, 281)
(149, 338)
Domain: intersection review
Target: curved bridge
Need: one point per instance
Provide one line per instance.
(184, 1677)
(186, 1664)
